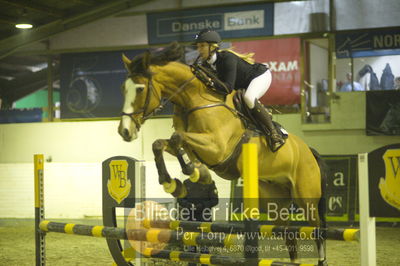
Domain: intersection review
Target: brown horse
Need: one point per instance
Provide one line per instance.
(208, 131)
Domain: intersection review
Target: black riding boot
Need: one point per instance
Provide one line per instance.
(262, 115)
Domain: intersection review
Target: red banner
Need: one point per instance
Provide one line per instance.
(283, 58)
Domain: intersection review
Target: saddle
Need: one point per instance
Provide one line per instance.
(250, 122)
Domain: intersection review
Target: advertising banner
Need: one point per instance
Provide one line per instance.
(372, 43)
(90, 84)
(229, 22)
(384, 181)
(340, 194)
(383, 113)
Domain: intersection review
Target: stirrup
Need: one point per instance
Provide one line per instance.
(276, 142)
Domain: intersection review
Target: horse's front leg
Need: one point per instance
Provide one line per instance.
(172, 186)
(196, 171)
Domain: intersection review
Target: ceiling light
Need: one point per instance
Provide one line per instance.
(23, 22)
(23, 25)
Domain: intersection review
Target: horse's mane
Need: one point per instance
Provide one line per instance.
(140, 63)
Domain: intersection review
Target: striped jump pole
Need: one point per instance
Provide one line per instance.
(148, 235)
(308, 232)
(141, 235)
(211, 259)
(39, 209)
(158, 236)
(193, 257)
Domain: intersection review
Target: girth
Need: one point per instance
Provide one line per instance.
(228, 168)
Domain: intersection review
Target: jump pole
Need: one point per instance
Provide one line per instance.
(39, 210)
(250, 200)
(349, 234)
(367, 223)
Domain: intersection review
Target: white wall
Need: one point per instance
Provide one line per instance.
(64, 142)
(73, 190)
(295, 16)
(318, 69)
(73, 178)
(364, 14)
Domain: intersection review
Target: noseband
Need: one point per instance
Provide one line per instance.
(143, 110)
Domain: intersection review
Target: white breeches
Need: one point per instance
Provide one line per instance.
(257, 88)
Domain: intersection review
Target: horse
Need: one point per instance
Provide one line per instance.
(209, 134)
(391, 122)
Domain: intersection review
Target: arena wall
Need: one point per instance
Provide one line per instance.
(76, 150)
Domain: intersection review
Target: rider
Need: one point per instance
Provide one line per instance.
(238, 71)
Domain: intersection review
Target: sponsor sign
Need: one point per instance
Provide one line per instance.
(384, 181)
(383, 113)
(230, 22)
(119, 186)
(362, 44)
(90, 84)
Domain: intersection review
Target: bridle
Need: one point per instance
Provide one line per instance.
(161, 105)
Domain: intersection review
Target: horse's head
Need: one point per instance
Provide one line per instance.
(141, 97)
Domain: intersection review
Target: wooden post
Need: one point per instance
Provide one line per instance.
(367, 223)
(50, 105)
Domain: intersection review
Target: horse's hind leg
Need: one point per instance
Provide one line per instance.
(173, 186)
(273, 198)
(308, 195)
(196, 171)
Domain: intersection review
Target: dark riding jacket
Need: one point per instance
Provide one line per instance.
(235, 72)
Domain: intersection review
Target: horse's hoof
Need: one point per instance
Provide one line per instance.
(322, 263)
(170, 187)
(180, 190)
(195, 176)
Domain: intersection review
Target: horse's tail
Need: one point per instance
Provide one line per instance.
(323, 167)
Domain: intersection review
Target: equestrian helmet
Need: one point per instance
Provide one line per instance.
(207, 35)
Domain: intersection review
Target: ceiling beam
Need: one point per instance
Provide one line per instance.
(14, 67)
(25, 60)
(8, 20)
(16, 89)
(4, 71)
(23, 4)
(85, 2)
(11, 44)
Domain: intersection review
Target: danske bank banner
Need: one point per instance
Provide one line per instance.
(230, 22)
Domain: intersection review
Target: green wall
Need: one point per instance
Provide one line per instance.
(36, 99)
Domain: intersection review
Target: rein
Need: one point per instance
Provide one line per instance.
(147, 102)
(169, 99)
